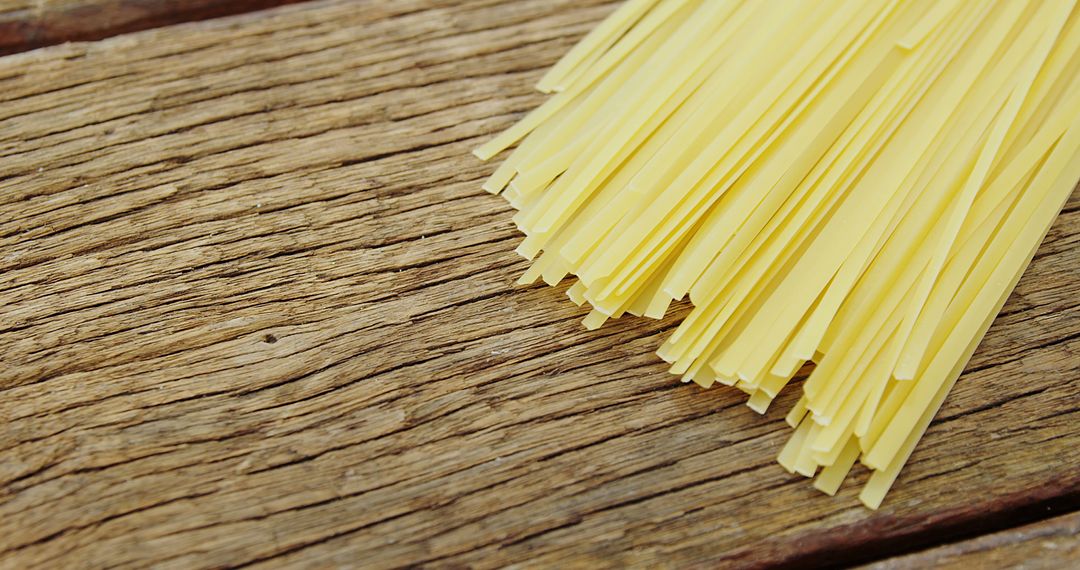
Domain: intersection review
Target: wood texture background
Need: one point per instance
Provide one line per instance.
(27, 24)
(256, 311)
(1051, 544)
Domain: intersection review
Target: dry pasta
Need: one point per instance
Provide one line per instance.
(857, 183)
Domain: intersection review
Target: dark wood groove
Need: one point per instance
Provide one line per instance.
(87, 21)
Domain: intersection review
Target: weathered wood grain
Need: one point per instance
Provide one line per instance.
(255, 311)
(1043, 545)
(29, 24)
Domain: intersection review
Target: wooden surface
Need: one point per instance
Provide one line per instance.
(28, 24)
(1044, 545)
(255, 311)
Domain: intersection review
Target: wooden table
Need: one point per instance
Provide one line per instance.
(255, 311)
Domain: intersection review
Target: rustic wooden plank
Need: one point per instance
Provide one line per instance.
(1051, 544)
(29, 24)
(256, 311)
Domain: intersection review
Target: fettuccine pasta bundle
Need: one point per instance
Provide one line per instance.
(857, 183)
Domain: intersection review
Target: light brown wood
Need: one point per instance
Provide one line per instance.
(1043, 545)
(256, 311)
